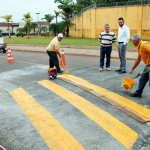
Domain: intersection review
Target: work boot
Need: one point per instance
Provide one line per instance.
(135, 95)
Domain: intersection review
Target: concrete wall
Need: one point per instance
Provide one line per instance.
(91, 22)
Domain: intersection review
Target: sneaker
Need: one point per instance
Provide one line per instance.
(100, 69)
(118, 70)
(135, 95)
(108, 68)
(60, 71)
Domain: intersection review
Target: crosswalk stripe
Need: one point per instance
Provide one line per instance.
(53, 133)
(117, 129)
(133, 109)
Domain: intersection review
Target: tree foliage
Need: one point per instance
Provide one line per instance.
(44, 28)
(33, 26)
(48, 18)
(57, 27)
(27, 18)
(8, 18)
(57, 13)
(67, 10)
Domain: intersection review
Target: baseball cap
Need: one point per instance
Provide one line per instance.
(60, 35)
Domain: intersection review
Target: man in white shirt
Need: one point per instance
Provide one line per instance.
(123, 39)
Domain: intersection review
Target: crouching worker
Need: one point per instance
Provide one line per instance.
(144, 54)
(53, 51)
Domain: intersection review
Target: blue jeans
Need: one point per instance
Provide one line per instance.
(105, 51)
(143, 80)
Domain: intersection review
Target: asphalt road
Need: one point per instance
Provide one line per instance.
(17, 129)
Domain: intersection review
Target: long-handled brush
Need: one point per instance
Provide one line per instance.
(140, 74)
(66, 72)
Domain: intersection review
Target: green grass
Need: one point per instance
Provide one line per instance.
(40, 40)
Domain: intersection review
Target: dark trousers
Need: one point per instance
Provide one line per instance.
(105, 51)
(143, 80)
(53, 60)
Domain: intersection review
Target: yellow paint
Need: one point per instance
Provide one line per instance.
(120, 99)
(117, 129)
(53, 133)
(91, 22)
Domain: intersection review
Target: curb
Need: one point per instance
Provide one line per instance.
(73, 46)
(44, 52)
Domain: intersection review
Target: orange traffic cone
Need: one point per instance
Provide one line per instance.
(62, 60)
(10, 57)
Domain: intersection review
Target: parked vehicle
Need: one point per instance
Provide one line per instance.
(3, 47)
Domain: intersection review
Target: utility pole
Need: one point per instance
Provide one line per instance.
(38, 23)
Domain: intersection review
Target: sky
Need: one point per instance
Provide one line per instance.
(19, 7)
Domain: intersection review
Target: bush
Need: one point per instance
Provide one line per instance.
(6, 34)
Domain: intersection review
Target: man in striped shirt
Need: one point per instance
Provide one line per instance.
(107, 38)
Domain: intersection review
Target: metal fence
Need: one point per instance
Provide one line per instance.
(128, 3)
(114, 4)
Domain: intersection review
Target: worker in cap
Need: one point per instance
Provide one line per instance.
(53, 51)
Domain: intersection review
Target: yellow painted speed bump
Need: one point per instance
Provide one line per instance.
(113, 126)
(53, 133)
(131, 108)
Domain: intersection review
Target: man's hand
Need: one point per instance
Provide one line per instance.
(132, 70)
(59, 56)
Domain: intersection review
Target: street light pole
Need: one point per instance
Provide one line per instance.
(38, 23)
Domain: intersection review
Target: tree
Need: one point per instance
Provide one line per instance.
(8, 19)
(54, 28)
(20, 31)
(84, 3)
(48, 18)
(27, 18)
(44, 28)
(56, 14)
(1, 31)
(33, 26)
(67, 8)
(57, 27)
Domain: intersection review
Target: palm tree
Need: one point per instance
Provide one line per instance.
(33, 25)
(56, 14)
(67, 7)
(44, 28)
(48, 18)
(8, 19)
(27, 18)
(68, 23)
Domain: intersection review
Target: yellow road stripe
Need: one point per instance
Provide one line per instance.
(54, 134)
(120, 99)
(113, 126)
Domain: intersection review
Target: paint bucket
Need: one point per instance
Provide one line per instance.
(128, 83)
(52, 73)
